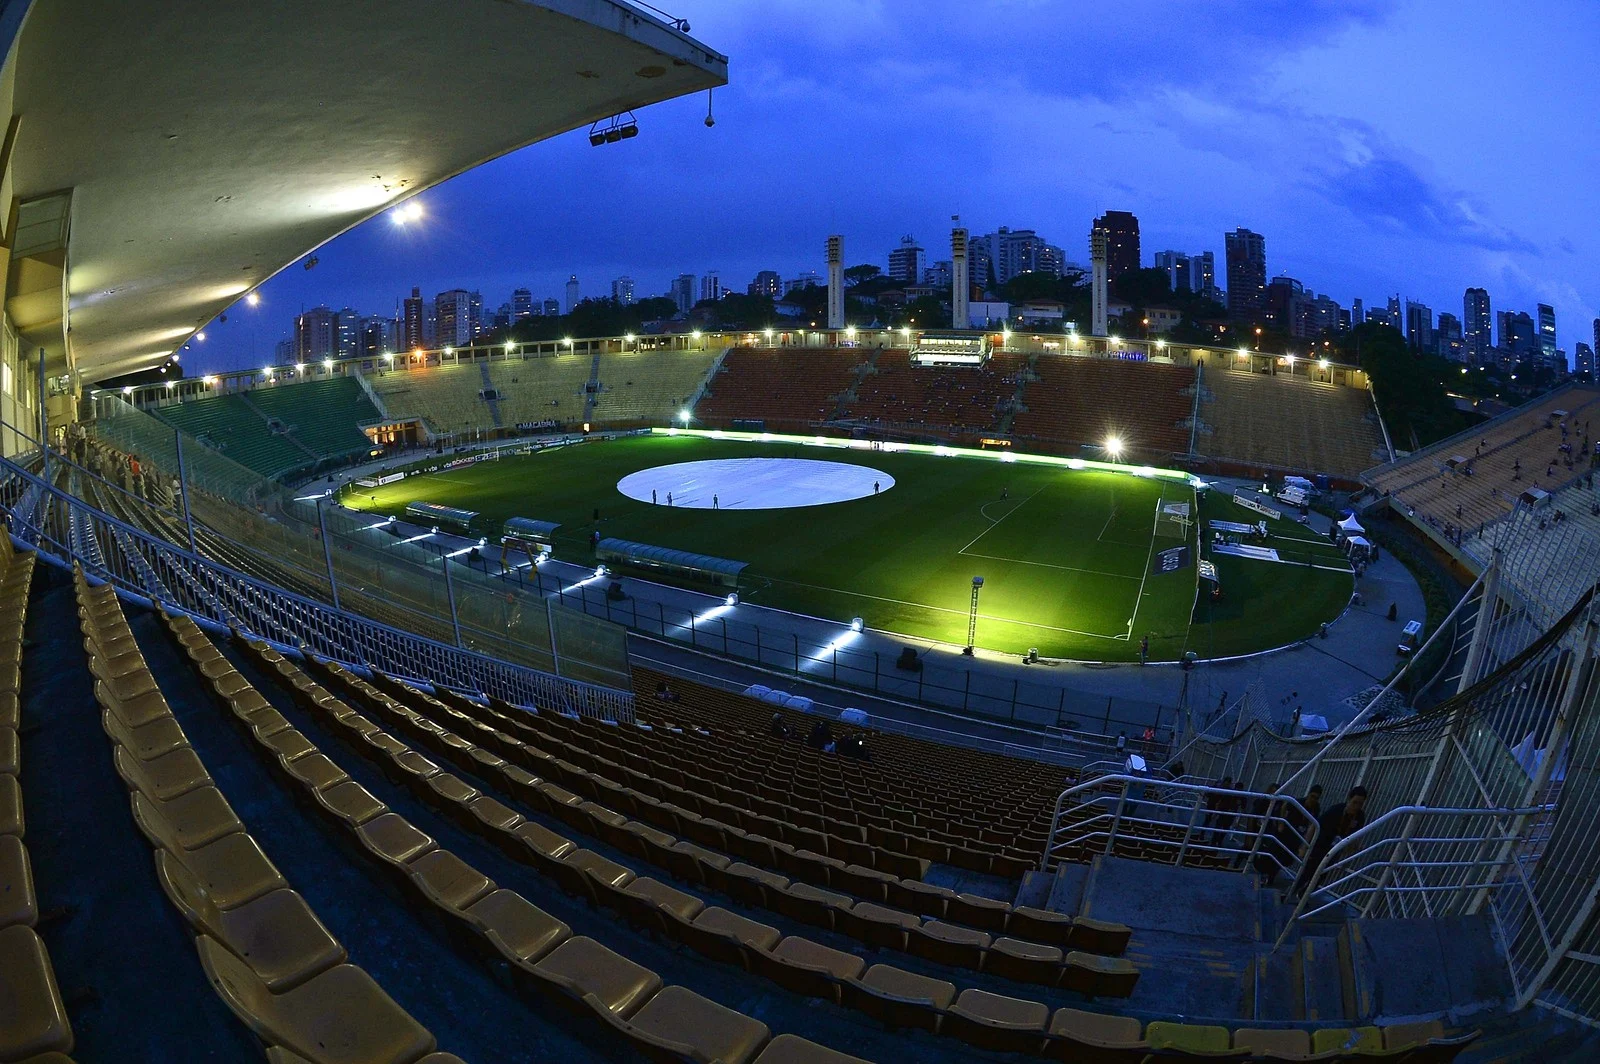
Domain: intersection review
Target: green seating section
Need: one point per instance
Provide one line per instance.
(322, 414)
(227, 423)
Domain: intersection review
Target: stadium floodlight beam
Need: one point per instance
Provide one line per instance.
(253, 299)
(731, 600)
(327, 363)
(1324, 364)
(683, 416)
(972, 618)
(599, 570)
(1114, 446)
(857, 624)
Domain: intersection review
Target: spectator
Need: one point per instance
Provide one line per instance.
(1343, 819)
(780, 728)
(1216, 804)
(665, 693)
(821, 736)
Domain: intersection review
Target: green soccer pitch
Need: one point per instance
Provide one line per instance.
(1070, 558)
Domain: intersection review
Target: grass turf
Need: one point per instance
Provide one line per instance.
(1067, 556)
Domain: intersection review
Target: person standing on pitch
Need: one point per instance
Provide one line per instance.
(652, 496)
(669, 498)
(716, 504)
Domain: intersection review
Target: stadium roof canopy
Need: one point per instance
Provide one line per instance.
(164, 157)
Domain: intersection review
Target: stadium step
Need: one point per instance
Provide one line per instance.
(1423, 967)
(1321, 979)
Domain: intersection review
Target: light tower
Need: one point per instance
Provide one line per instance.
(836, 282)
(960, 288)
(1097, 257)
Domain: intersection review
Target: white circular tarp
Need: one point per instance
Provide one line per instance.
(754, 483)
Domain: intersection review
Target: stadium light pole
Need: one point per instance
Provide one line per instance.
(972, 618)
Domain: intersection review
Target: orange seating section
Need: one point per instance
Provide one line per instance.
(788, 388)
(1076, 401)
(959, 399)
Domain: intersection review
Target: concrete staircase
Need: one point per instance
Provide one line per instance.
(488, 388)
(1204, 937)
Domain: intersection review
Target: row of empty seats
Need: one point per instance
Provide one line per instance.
(650, 387)
(1076, 401)
(788, 389)
(1285, 422)
(229, 424)
(965, 400)
(323, 415)
(263, 949)
(548, 388)
(33, 1018)
(666, 1022)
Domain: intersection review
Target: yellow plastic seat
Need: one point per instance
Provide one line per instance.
(196, 817)
(11, 819)
(350, 802)
(289, 744)
(10, 752)
(1288, 1044)
(18, 902)
(1363, 1040)
(876, 925)
(682, 1017)
(1075, 1035)
(148, 741)
(808, 904)
(1039, 925)
(338, 1017)
(582, 968)
(996, 1022)
(524, 932)
(448, 881)
(315, 771)
(391, 838)
(942, 943)
(1096, 976)
(1024, 961)
(1191, 1040)
(660, 896)
(167, 776)
(32, 1016)
(792, 1049)
(899, 998)
(804, 967)
(233, 870)
(277, 934)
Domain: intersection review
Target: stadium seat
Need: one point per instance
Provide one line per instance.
(336, 1017)
(995, 1022)
(521, 929)
(898, 998)
(792, 1049)
(1075, 1035)
(805, 967)
(1188, 1041)
(1024, 962)
(276, 934)
(583, 969)
(18, 902)
(680, 1017)
(32, 1016)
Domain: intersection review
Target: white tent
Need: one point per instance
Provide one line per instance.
(1351, 525)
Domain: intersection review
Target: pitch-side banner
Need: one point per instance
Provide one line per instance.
(1171, 560)
(1259, 507)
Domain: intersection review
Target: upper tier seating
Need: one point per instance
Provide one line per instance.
(964, 399)
(1080, 401)
(786, 388)
(446, 397)
(321, 414)
(1505, 457)
(1286, 422)
(649, 386)
(229, 424)
(539, 389)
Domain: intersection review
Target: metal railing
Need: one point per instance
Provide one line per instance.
(1423, 861)
(1135, 815)
(63, 528)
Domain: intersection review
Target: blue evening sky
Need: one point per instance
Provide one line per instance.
(1410, 147)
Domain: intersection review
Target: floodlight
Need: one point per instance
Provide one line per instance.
(856, 624)
(447, 350)
(627, 338)
(1114, 446)
(200, 336)
(731, 600)
(299, 367)
(327, 363)
(695, 334)
(683, 416)
(511, 345)
(253, 299)
(599, 570)
(1324, 364)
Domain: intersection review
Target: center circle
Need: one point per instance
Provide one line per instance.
(754, 483)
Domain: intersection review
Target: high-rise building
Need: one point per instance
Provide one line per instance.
(572, 292)
(805, 280)
(960, 280)
(682, 292)
(1178, 268)
(1519, 340)
(1287, 308)
(500, 319)
(1203, 269)
(521, 304)
(1547, 337)
(1396, 319)
(1247, 274)
(1597, 334)
(1583, 359)
(346, 334)
(710, 287)
(1448, 338)
(834, 251)
(453, 314)
(316, 335)
(378, 335)
(411, 321)
(1477, 326)
(1122, 242)
(996, 258)
(1358, 312)
(767, 283)
(905, 261)
(1419, 326)
(622, 290)
(1327, 316)
(938, 274)
(552, 308)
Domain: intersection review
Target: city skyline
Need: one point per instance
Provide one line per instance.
(1357, 198)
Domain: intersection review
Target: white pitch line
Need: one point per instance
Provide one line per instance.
(1049, 565)
(996, 524)
(1150, 557)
